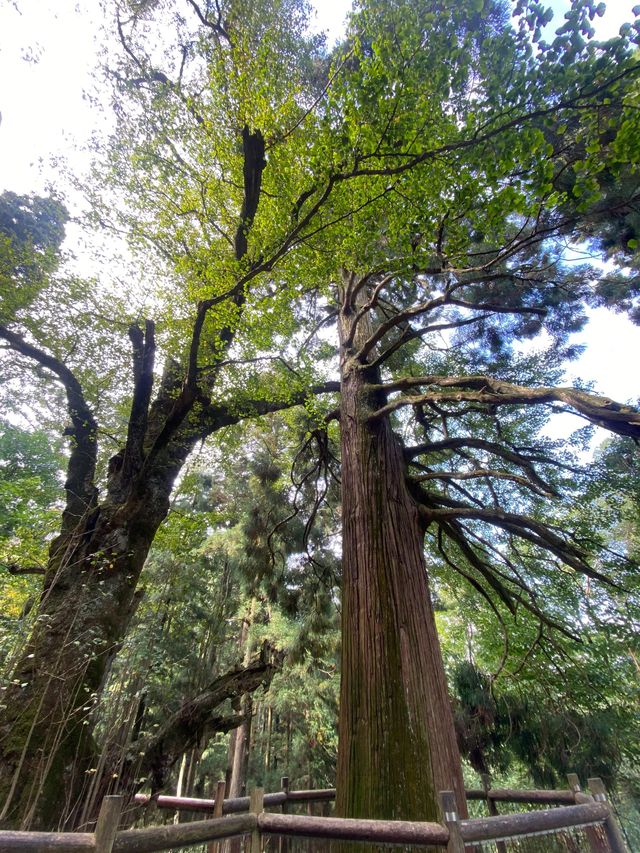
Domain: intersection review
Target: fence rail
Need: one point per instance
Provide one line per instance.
(583, 812)
(234, 805)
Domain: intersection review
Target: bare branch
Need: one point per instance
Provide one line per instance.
(484, 473)
(601, 411)
(79, 485)
(15, 569)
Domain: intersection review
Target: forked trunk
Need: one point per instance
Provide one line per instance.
(397, 744)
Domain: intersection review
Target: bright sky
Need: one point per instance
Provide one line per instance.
(47, 51)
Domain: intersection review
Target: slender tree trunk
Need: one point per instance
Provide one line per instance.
(269, 730)
(242, 735)
(397, 745)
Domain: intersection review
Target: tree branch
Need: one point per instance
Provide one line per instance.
(521, 525)
(196, 716)
(79, 485)
(601, 411)
(143, 344)
(15, 569)
(484, 473)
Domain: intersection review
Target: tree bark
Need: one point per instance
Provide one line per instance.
(88, 600)
(397, 744)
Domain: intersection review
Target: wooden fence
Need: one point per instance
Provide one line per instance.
(574, 810)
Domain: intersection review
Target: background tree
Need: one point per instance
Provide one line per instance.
(30, 492)
(211, 568)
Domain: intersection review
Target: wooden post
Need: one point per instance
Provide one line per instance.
(501, 847)
(256, 807)
(107, 823)
(452, 821)
(597, 843)
(216, 846)
(611, 828)
(283, 841)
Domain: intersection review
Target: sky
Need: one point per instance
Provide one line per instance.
(47, 52)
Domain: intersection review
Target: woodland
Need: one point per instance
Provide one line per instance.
(279, 493)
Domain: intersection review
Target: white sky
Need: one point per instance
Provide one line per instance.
(47, 51)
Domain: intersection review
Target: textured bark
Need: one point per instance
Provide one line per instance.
(397, 745)
(88, 601)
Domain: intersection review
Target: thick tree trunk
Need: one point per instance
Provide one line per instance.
(397, 745)
(89, 598)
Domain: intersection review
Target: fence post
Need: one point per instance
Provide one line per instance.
(217, 846)
(597, 843)
(283, 841)
(256, 807)
(107, 823)
(574, 783)
(611, 828)
(452, 821)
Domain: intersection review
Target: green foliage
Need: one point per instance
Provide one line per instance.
(31, 467)
(234, 549)
(31, 232)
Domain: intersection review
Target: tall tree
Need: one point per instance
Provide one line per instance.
(429, 311)
(89, 594)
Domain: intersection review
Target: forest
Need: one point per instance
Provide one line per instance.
(288, 482)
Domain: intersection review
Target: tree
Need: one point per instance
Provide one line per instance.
(89, 594)
(414, 188)
(476, 264)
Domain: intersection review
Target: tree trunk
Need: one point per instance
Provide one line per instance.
(397, 744)
(239, 752)
(47, 750)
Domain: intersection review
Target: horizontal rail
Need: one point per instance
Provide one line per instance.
(531, 823)
(588, 812)
(312, 794)
(43, 841)
(182, 834)
(234, 805)
(351, 829)
(510, 795)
